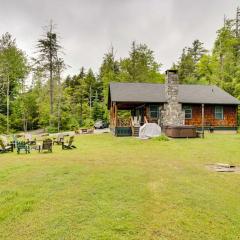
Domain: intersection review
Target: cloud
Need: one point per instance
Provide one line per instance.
(89, 28)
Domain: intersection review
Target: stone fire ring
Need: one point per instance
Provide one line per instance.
(223, 167)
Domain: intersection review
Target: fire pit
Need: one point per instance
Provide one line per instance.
(223, 167)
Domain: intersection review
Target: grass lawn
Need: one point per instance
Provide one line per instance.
(122, 188)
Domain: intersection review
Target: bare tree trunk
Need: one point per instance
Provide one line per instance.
(237, 30)
(90, 101)
(237, 22)
(51, 93)
(8, 102)
(25, 125)
(59, 97)
(221, 64)
(25, 122)
(81, 110)
(51, 76)
(24, 117)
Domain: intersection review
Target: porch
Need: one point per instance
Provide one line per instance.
(126, 118)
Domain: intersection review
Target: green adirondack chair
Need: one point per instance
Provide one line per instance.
(23, 146)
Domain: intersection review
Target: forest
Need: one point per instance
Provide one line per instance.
(34, 94)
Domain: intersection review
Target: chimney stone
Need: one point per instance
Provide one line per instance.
(172, 113)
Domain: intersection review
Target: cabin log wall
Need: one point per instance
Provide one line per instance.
(229, 116)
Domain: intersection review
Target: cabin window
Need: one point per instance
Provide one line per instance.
(219, 112)
(154, 111)
(188, 112)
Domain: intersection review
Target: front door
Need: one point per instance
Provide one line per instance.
(140, 115)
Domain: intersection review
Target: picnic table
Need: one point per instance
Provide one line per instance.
(87, 130)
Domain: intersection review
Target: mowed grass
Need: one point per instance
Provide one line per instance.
(122, 188)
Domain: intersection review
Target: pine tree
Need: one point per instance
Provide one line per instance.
(109, 72)
(140, 66)
(188, 63)
(47, 60)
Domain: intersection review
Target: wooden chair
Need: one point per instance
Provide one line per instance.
(69, 144)
(84, 130)
(5, 140)
(30, 140)
(47, 145)
(14, 141)
(90, 131)
(59, 140)
(21, 145)
(5, 148)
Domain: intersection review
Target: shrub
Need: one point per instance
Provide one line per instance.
(88, 123)
(161, 138)
(51, 129)
(73, 124)
(3, 123)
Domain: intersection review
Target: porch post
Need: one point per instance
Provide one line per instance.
(202, 120)
(111, 116)
(116, 116)
(237, 109)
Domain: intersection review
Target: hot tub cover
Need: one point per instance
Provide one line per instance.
(149, 130)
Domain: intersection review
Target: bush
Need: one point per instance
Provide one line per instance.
(51, 129)
(88, 123)
(73, 124)
(161, 138)
(3, 123)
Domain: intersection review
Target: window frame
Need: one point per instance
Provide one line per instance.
(188, 108)
(156, 111)
(216, 112)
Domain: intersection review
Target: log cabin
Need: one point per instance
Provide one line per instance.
(170, 104)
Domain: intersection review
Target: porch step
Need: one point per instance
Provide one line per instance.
(135, 131)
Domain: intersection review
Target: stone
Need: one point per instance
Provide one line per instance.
(172, 114)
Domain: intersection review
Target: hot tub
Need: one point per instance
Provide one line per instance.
(180, 131)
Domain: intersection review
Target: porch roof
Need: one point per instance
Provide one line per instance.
(155, 93)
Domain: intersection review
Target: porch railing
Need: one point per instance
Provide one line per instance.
(145, 119)
(124, 122)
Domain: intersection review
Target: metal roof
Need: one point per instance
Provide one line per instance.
(154, 93)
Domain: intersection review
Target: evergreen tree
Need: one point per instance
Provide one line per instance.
(140, 66)
(47, 60)
(226, 52)
(109, 72)
(13, 70)
(188, 63)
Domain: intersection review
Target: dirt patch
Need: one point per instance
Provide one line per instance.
(223, 167)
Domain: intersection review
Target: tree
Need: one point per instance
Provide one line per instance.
(13, 70)
(60, 67)
(221, 66)
(226, 51)
(140, 66)
(197, 50)
(188, 63)
(90, 89)
(75, 87)
(25, 111)
(205, 69)
(186, 67)
(48, 49)
(109, 72)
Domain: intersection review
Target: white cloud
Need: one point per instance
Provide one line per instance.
(88, 28)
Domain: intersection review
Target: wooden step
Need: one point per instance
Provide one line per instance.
(135, 131)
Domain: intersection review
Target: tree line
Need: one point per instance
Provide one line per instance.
(34, 94)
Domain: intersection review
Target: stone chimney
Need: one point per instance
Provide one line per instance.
(172, 113)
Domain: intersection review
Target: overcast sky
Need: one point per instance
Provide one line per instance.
(89, 27)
